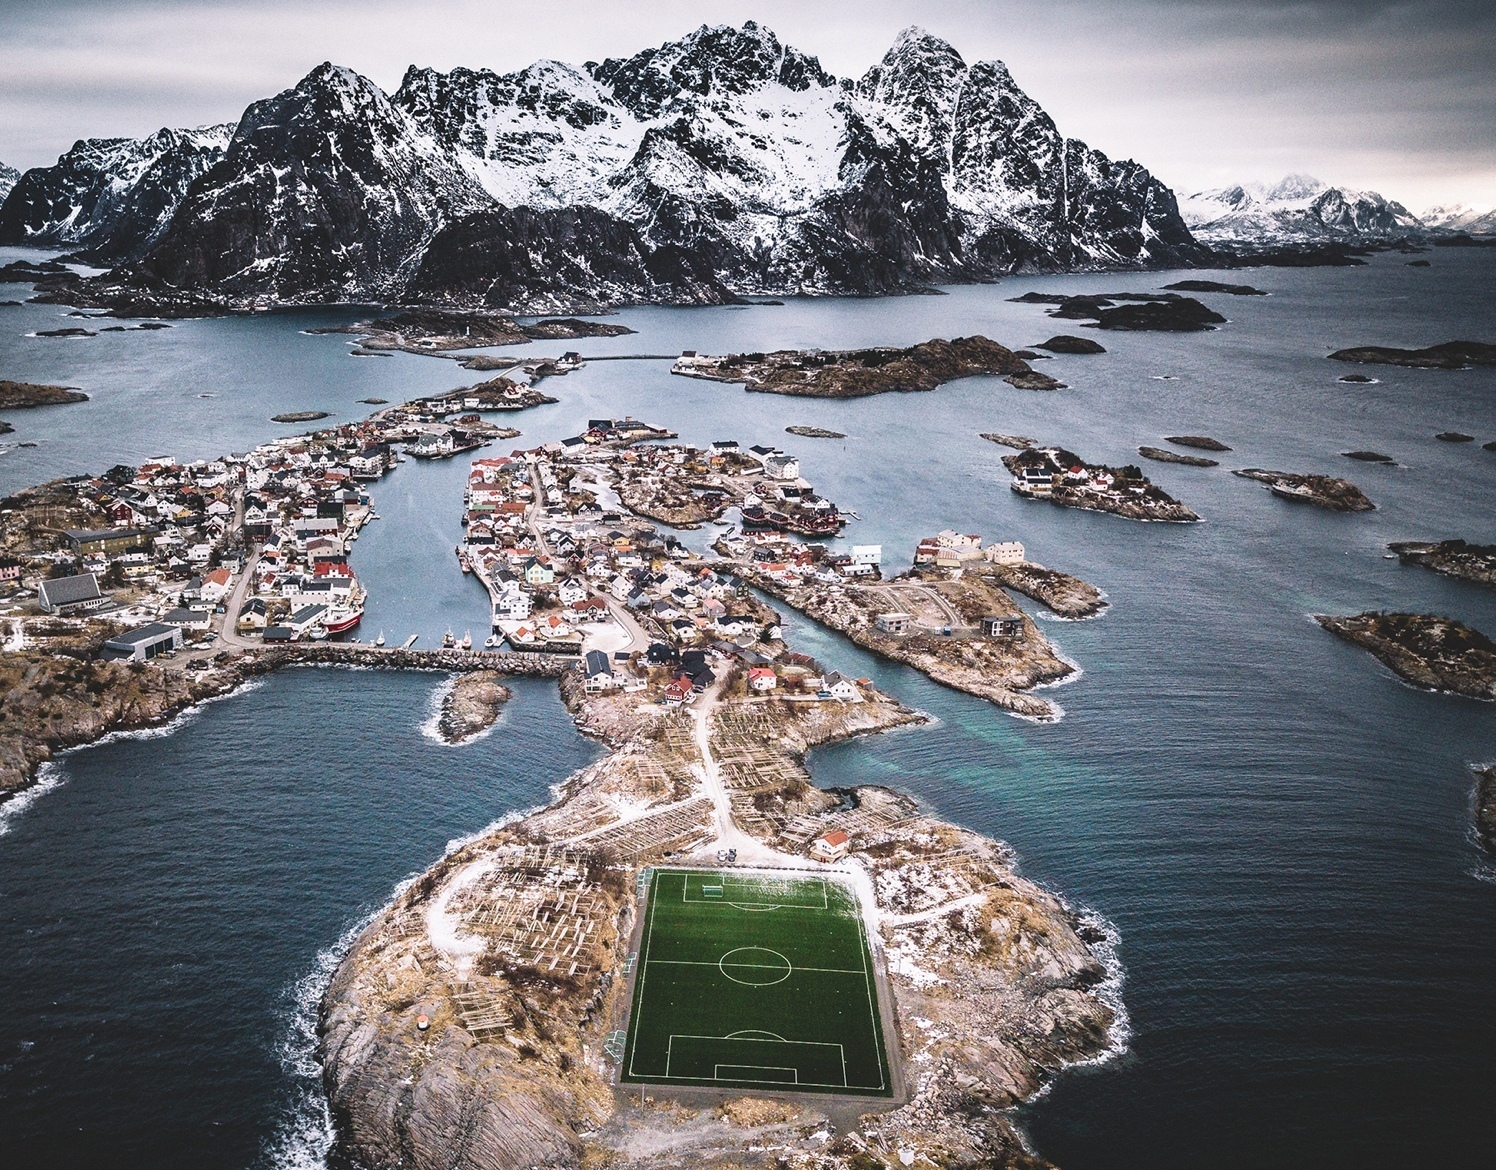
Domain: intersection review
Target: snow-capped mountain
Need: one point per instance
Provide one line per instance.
(725, 160)
(9, 177)
(1297, 208)
(116, 194)
(1459, 218)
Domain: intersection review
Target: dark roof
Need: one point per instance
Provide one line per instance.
(154, 632)
(67, 590)
(597, 663)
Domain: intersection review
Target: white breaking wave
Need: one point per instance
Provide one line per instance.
(52, 775)
(306, 1135)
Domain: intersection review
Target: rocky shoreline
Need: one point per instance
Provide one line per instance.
(999, 671)
(1452, 558)
(1485, 808)
(448, 1040)
(1430, 652)
(471, 706)
(1062, 477)
(1060, 593)
(1323, 491)
(24, 395)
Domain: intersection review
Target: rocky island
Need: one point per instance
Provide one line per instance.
(439, 331)
(1062, 477)
(23, 395)
(1199, 442)
(470, 706)
(1451, 355)
(1215, 286)
(1432, 653)
(1323, 491)
(1453, 558)
(858, 373)
(1161, 455)
(1156, 312)
(814, 433)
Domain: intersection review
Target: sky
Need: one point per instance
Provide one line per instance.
(1394, 97)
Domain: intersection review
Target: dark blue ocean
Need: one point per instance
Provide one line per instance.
(1276, 827)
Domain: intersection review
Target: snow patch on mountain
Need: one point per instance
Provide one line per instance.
(1459, 218)
(9, 177)
(1296, 208)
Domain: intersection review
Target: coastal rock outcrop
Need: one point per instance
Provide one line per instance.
(19, 395)
(857, 373)
(1451, 355)
(1161, 455)
(471, 705)
(1432, 653)
(1485, 808)
(1063, 478)
(1323, 491)
(1452, 558)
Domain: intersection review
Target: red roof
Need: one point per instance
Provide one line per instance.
(834, 837)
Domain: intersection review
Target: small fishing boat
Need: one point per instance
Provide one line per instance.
(467, 641)
(492, 642)
(379, 641)
(448, 640)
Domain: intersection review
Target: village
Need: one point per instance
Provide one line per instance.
(246, 549)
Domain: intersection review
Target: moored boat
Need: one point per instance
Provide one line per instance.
(343, 618)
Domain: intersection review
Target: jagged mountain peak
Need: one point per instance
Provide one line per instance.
(1297, 207)
(713, 60)
(9, 177)
(920, 76)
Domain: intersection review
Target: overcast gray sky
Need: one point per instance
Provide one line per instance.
(1395, 97)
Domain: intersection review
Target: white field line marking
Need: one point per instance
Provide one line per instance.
(643, 971)
(674, 1036)
(794, 1072)
(872, 1007)
(764, 966)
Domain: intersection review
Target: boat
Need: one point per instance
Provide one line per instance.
(462, 559)
(342, 618)
(448, 641)
(467, 641)
(492, 642)
(379, 641)
(1290, 491)
(317, 633)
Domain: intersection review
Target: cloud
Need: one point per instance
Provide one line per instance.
(1392, 96)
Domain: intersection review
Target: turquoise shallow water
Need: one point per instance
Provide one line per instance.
(1277, 828)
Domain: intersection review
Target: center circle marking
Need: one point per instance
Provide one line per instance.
(755, 966)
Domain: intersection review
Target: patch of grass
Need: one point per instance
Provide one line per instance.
(755, 981)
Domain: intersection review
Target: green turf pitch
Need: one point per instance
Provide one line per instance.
(750, 981)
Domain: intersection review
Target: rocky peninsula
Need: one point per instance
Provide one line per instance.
(943, 640)
(1432, 653)
(1451, 355)
(475, 1022)
(23, 395)
(1063, 478)
(471, 705)
(858, 373)
(1453, 558)
(1060, 593)
(1017, 442)
(1323, 491)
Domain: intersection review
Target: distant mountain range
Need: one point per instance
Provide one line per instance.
(1298, 208)
(1459, 218)
(721, 164)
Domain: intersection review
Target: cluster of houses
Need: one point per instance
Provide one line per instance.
(956, 550)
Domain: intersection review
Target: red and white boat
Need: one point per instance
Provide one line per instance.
(342, 618)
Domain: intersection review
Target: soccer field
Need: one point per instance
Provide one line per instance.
(749, 980)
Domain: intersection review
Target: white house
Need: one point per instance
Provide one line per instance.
(1004, 552)
(842, 688)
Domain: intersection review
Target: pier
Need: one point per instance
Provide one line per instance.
(399, 658)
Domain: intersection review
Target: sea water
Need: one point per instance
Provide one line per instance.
(1278, 829)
